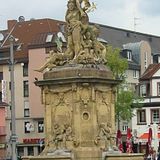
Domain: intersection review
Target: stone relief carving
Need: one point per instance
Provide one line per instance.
(103, 107)
(58, 94)
(106, 135)
(84, 95)
(103, 134)
(62, 110)
(63, 134)
(57, 136)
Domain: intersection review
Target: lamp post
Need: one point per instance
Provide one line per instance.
(13, 119)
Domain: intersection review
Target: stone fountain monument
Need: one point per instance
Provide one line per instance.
(78, 91)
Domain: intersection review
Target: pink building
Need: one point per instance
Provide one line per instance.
(2, 132)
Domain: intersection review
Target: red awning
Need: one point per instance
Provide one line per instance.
(145, 136)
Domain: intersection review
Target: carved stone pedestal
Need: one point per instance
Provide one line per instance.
(79, 114)
(79, 110)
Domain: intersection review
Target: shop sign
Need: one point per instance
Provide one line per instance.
(33, 140)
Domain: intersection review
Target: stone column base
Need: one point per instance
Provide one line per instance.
(46, 158)
(123, 156)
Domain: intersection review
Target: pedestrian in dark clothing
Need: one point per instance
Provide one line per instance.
(158, 158)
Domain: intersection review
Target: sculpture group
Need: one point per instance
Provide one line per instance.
(82, 44)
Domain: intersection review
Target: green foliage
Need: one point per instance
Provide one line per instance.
(115, 62)
(127, 100)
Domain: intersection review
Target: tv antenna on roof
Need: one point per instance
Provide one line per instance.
(135, 23)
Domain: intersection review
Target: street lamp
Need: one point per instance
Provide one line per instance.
(13, 119)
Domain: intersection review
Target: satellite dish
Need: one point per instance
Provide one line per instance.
(21, 19)
(61, 36)
(1, 37)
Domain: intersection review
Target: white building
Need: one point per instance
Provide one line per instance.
(149, 114)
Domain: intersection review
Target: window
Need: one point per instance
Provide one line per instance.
(127, 34)
(155, 116)
(25, 88)
(141, 116)
(40, 148)
(129, 55)
(26, 127)
(1, 75)
(135, 74)
(143, 90)
(10, 126)
(25, 69)
(40, 126)
(49, 38)
(26, 109)
(26, 112)
(20, 151)
(125, 127)
(30, 151)
(158, 89)
(9, 85)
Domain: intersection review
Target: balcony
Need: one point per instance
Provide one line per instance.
(2, 131)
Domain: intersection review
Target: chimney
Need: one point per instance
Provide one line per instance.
(11, 24)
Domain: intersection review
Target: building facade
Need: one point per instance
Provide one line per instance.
(29, 109)
(149, 114)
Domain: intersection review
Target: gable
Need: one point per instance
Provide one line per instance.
(157, 74)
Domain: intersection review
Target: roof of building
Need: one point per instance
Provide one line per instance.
(29, 33)
(134, 66)
(150, 71)
(117, 37)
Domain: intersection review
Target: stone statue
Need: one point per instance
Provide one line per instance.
(74, 16)
(53, 60)
(57, 136)
(83, 46)
(67, 134)
(104, 134)
(99, 48)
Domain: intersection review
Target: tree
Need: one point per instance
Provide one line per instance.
(126, 101)
(126, 98)
(116, 63)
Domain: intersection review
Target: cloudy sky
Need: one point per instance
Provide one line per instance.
(116, 13)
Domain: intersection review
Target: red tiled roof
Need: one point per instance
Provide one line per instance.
(28, 32)
(151, 70)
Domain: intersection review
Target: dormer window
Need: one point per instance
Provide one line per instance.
(129, 55)
(158, 59)
(127, 34)
(49, 38)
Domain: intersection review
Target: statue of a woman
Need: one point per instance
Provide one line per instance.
(76, 19)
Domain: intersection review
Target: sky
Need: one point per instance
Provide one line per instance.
(137, 15)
